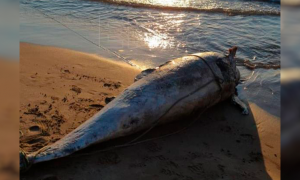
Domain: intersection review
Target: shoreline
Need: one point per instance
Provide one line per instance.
(60, 89)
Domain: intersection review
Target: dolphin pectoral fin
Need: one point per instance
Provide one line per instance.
(143, 74)
(236, 100)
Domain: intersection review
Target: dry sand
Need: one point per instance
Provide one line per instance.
(9, 108)
(60, 89)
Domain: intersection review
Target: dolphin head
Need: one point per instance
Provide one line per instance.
(232, 62)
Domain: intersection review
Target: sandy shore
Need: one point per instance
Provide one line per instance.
(9, 119)
(60, 89)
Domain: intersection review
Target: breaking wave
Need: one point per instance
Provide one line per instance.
(182, 7)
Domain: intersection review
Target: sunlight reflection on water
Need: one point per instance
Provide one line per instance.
(178, 3)
(157, 35)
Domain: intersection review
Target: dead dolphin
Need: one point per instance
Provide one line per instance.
(166, 93)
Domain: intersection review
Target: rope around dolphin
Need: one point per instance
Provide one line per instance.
(135, 141)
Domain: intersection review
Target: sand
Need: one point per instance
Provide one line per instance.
(9, 108)
(60, 89)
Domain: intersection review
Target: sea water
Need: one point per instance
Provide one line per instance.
(146, 33)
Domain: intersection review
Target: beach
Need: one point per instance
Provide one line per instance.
(9, 113)
(61, 89)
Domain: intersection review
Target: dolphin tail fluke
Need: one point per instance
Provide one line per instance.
(232, 52)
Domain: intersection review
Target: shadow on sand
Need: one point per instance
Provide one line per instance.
(221, 144)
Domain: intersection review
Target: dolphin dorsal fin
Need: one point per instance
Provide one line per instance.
(144, 74)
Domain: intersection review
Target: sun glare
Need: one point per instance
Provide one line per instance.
(176, 3)
(155, 41)
(171, 2)
(158, 35)
(168, 2)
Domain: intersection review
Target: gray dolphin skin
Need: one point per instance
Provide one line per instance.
(167, 93)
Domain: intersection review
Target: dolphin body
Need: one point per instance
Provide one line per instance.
(166, 93)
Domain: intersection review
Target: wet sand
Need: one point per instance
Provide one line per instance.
(60, 89)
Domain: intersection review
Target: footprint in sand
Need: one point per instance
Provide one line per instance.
(34, 138)
(39, 129)
(109, 99)
(34, 129)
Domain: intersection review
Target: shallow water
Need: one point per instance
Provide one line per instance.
(146, 33)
